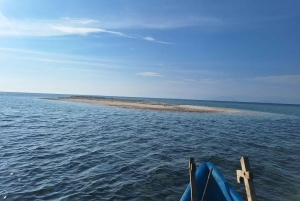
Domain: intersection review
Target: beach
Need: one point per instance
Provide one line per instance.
(143, 105)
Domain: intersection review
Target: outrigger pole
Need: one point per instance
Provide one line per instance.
(247, 176)
(192, 170)
(193, 185)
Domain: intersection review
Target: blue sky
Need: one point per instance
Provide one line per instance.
(207, 50)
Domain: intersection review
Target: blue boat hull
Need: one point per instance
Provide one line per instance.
(218, 188)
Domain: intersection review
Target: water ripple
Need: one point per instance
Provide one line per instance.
(68, 151)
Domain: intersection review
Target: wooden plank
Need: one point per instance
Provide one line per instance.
(247, 176)
(192, 170)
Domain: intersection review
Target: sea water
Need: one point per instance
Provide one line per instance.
(54, 150)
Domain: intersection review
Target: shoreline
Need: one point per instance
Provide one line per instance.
(143, 105)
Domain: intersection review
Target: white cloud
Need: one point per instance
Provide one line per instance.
(191, 81)
(64, 59)
(201, 81)
(85, 31)
(60, 27)
(283, 79)
(162, 23)
(149, 38)
(80, 20)
(3, 21)
(207, 81)
(154, 40)
(77, 31)
(149, 74)
(173, 82)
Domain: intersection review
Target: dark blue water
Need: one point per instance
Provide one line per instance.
(52, 150)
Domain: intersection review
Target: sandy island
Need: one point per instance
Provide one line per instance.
(143, 105)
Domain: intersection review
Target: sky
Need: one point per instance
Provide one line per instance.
(205, 50)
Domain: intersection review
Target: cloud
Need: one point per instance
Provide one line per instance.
(76, 61)
(60, 27)
(207, 81)
(162, 23)
(173, 82)
(85, 31)
(148, 38)
(77, 31)
(80, 20)
(283, 79)
(149, 74)
(191, 81)
(202, 81)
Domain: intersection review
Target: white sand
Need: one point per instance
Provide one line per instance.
(144, 105)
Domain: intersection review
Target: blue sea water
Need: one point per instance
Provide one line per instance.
(53, 150)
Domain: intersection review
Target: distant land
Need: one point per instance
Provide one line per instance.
(218, 99)
(143, 105)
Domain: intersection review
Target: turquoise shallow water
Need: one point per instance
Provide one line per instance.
(52, 150)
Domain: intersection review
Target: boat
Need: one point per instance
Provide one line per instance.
(210, 185)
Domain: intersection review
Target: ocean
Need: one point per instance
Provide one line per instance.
(54, 150)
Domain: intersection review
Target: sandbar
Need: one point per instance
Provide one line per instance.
(143, 105)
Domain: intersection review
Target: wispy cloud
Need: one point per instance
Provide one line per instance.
(60, 27)
(207, 81)
(191, 81)
(162, 23)
(201, 81)
(40, 54)
(80, 20)
(85, 31)
(154, 40)
(149, 38)
(283, 79)
(77, 31)
(173, 82)
(83, 62)
(149, 74)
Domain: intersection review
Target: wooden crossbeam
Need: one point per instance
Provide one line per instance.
(247, 176)
(192, 170)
